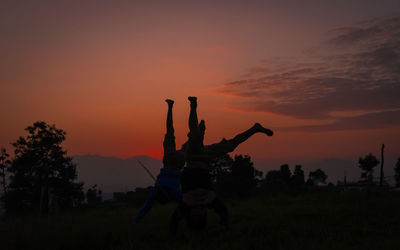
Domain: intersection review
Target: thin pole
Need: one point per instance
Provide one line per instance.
(152, 176)
(382, 160)
(144, 167)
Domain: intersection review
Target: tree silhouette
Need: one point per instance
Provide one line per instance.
(367, 166)
(278, 180)
(244, 175)
(285, 173)
(93, 196)
(235, 176)
(316, 177)
(397, 173)
(221, 172)
(273, 181)
(297, 179)
(41, 173)
(220, 165)
(4, 165)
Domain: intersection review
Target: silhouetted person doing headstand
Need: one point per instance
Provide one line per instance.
(197, 191)
(167, 186)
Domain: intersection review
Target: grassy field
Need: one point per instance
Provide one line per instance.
(353, 220)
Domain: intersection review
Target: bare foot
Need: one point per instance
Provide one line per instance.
(261, 129)
(170, 102)
(192, 99)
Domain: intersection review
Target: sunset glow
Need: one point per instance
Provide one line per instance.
(323, 76)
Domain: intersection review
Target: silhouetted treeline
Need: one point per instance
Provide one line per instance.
(238, 177)
(283, 180)
(137, 197)
(235, 176)
(41, 178)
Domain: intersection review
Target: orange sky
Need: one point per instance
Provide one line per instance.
(101, 72)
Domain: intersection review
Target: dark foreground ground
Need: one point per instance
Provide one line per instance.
(352, 220)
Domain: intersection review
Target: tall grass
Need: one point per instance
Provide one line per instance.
(353, 220)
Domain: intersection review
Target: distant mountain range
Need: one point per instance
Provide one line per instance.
(113, 174)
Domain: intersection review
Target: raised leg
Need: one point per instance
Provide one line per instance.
(170, 126)
(196, 134)
(227, 146)
(193, 121)
(257, 128)
(169, 138)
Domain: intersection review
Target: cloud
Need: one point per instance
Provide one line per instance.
(356, 69)
(375, 120)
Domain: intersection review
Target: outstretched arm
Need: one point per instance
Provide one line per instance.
(147, 205)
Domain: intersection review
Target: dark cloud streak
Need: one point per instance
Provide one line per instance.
(376, 120)
(358, 69)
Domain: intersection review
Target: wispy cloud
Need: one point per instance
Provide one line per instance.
(356, 70)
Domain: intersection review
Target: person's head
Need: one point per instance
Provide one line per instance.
(196, 218)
